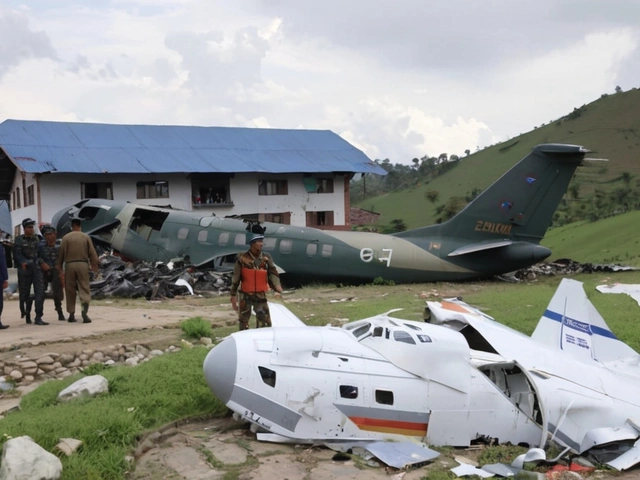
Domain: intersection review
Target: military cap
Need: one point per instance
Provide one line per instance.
(256, 237)
(47, 229)
(28, 222)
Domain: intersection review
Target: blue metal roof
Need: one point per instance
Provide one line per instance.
(61, 147)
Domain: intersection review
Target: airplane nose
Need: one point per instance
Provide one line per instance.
(220, 367)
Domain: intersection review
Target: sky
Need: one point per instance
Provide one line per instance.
(399, 79)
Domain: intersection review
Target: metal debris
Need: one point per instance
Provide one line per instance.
(118, 278)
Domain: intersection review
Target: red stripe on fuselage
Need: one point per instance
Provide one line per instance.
(391, 426)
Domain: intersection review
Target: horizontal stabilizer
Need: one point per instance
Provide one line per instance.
(281, 316)
(571, 323)
(477, 247)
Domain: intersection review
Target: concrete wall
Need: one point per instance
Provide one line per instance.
(54, 192)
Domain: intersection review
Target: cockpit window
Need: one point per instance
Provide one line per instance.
(412, 327)
(358, 332)
(268, 376)
(401, 336)
(424, 338)
(385, 397)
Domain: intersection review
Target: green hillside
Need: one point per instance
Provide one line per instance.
(609, 127)
(610, 240)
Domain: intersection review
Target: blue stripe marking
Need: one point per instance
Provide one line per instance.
(578, 325)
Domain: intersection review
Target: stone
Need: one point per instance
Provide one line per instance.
(155, 353)
(206, 341)
(22, 458)
(92, 385)
(16, 375)
(45, 360)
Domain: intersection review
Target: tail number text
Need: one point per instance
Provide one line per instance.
(367, 255)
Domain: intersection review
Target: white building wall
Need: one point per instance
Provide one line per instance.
(54, 192)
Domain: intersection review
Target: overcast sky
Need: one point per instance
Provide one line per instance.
(397, 78)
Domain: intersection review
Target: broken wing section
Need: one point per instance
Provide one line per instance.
(572, 324)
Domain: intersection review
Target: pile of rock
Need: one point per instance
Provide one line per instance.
(25, 370)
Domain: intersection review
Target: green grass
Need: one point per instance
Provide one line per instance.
(196, 327)
(169, 388)
(611, 240)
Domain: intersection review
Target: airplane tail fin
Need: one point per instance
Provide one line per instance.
(519, 205)
(571, 323)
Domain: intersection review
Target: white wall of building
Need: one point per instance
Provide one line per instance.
(54, 192)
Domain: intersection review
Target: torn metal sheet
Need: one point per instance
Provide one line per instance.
(534, 455)
(464, 470)
(628, 459)
(500, 469)
(401, 454)
(630, 289)
(606, 435)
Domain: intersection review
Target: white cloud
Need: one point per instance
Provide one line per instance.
(397, 79)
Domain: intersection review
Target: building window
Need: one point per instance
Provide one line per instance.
(284, 217)
(158, 189)
(211, 189)
(325, 185)
(319, 219)
(97, 190)
(18, 197)
(30, 200)
(273, 187)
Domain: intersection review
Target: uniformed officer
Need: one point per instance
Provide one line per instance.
(4, 281)
(254, 272)
(49, 253)
(27, 261)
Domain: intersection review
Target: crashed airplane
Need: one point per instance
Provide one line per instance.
(462, 377)
(496, 233)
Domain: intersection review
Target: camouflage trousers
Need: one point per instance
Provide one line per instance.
(260, 307)
(53, 277)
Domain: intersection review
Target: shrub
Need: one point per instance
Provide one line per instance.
(196, 327)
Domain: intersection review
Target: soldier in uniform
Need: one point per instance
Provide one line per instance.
(254, 272)
(77, 254)
(49, 253)
(4, 281)
(27, 262)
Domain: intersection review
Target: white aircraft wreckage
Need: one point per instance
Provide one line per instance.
(463, 377)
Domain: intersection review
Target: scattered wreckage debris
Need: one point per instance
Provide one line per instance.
(632, 290)
(118, 278)
(562, 266)
(460, 379)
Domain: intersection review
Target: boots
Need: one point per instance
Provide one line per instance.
(2, 327)
(60, 314)
(39, 321)
(85, 317)
(27, 310)
(72, 318)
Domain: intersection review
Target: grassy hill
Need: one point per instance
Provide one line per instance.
(610, 240)
(609, 127)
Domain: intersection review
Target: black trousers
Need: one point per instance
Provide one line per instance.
(31, 276)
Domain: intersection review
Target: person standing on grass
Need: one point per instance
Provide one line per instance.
(253, 273)
(77, 254)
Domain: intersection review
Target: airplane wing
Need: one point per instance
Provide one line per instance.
(572, 324)
(281, 316)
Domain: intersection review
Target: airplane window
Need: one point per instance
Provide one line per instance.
(412, 327)
(223, 239)
(241, 239)
(286, 246)
(268, 376)
(377, 332)
(400, 336)
(327, 250)
(385, 397)
(358, 332)
(348, 391)
(424, 338)
(183, 233)
(312, 249)
(202, 236)
(269, 243)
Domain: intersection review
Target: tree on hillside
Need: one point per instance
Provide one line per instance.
(467, 152)
(618, 89)
(432, 195)
(626, 178)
